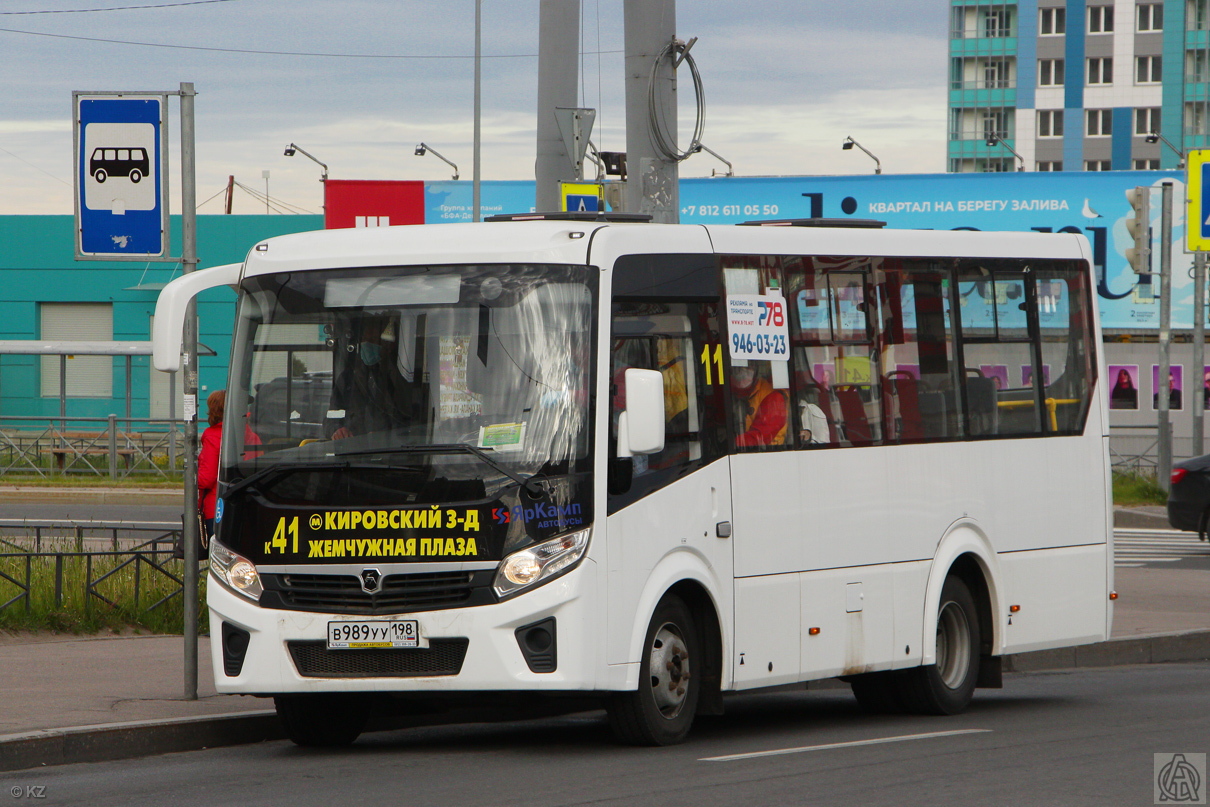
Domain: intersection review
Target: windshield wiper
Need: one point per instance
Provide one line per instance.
(265, 473)
(529, 484)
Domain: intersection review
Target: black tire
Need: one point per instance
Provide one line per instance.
(322, 721)
(100, 175)
(877, 693)
(135, 176)
(661, 710)
(946, 688)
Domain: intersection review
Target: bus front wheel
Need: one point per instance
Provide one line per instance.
(661, 710)
(329, 721)
(99, 175)
(946, 688)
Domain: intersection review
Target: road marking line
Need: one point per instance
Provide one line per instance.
(853, 744)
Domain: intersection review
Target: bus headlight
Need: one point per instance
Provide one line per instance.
(235, 571)
(539, 563)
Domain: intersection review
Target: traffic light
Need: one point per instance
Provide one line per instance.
(1139, 227)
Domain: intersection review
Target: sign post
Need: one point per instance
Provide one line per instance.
(122, 215)
(1197, 241)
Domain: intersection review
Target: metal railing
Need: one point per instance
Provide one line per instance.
(1136, 449)
(97, 446)
(24, 568)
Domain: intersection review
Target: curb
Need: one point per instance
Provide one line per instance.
(108, 742)
(105, 743)
(1193, 645)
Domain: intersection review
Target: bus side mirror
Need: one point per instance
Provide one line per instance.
(168, 332)
(641, 425)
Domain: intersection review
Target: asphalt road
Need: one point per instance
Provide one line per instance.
(1082, 737)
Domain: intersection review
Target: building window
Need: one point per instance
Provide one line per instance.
(87, 376)
(1052, 21)
(993, 124)
(1098, 122)
(1100, 19)
(1097, 165)
(1100, 71)
(1195, 117)
(1149, 69)
(1195, 66)
(1050, 72)
(996, 166)
(1146, 120)
(996, 74)
(1151, 17)
(1050, 165)
(1146, 165)
(997, 22)
(1195, 15)
(1050, 123)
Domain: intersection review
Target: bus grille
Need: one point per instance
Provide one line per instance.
(442, 657)
(400, 593)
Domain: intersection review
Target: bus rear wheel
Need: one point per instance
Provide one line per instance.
(322, 721)
(946, 688)
(135, 176)
(661, 710)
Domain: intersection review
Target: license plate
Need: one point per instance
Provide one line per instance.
(373, 634)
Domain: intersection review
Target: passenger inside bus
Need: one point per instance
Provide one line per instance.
(369, 393)
(761, 410)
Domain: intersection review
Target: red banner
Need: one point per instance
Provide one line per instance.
(372, 203)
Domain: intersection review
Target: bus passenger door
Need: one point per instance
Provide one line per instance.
(669, 512)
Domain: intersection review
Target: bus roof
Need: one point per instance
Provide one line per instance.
(570, 242)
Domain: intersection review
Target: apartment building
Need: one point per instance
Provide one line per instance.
(1077, 85)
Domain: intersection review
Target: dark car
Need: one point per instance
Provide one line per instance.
(1189, 498)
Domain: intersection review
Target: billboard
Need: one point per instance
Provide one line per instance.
(372, 203)
(1091, 203)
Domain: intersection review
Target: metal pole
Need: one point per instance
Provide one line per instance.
(1163, 468)
(651, 185)
(478, 83)
(558, 70)
(189, 535)
(1199, 353)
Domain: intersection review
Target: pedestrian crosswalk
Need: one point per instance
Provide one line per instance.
(1141, 547)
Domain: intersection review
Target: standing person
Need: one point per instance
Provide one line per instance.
(207, 466)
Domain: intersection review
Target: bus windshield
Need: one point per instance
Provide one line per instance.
(449, 372)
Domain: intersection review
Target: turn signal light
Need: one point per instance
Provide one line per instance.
(813, 631)
(1014, 608)
(1113, 595)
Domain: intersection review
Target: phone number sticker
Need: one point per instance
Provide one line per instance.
(758, 328)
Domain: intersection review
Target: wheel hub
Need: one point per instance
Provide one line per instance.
(669, 668)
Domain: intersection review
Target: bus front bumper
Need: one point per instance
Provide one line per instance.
(469, 649)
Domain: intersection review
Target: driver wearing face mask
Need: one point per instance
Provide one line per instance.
(369, 393)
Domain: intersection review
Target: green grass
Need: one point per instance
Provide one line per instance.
(1132, 489)
(80, 612)
(89, 481)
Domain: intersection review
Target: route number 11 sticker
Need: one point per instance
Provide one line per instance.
(758, 328)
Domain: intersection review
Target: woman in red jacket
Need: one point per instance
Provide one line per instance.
(207, 462)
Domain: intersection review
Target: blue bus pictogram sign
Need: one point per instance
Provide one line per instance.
(121, 188)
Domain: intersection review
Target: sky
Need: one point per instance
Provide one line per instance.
(785, 81)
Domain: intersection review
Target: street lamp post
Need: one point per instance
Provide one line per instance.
(848, 144)
(703, 147)
(424, 148)
(290, 149)
(993, 139)
(1155, 137)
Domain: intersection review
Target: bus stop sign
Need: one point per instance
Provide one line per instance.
(121, 186)
(1197, 186)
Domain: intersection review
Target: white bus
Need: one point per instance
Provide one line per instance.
(651, 465)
